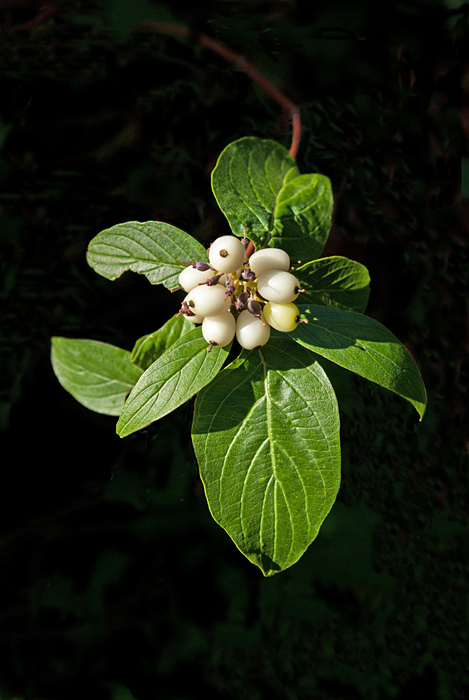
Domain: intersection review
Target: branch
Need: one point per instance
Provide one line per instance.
(290, 108)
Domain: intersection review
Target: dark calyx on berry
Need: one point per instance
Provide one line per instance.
(248, 275)
(241, 300)
(254, 308)
(200, 266)
(213, 280)
(229, 290)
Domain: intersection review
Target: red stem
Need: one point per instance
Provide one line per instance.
(48, 10)
(289, 107)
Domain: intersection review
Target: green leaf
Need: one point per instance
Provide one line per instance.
(119, 691)
(149, 348)
(336, 282)
(96, 374)
(152, 248)
(258, 186)
(363, 346)
(178, 374)
(246, 180)
(302, 216)
(266, 435)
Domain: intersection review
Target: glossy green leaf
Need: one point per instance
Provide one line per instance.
(176, 376)
(258, 186)
(246, 181)
(336, 282)
(96, 374)
(149, 348)
(363, 346)
(152, 248)
(266, 435)
(302, 216)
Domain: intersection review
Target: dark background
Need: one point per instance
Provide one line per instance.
(114, 580)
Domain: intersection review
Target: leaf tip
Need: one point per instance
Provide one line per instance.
(120, 429)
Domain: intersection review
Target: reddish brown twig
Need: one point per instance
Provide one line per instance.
(289, 107)
(47, 11)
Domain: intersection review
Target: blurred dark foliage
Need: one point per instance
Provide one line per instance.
(115, 582)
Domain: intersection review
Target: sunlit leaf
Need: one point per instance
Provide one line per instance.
(149, 348)
(176, 376)
(364, 346)
(336, 282)
(259, 188)
(266, 435)
(246, 181)
(302, 216)
(152, 248)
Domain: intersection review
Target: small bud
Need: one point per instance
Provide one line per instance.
(248, 275)
(213, 280)
(254, 308)
(245, 241)
(241, 300)
(229, 290)
(200, 266)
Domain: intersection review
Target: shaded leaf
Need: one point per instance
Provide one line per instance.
(178, 374)
(266, 435)
(119, 691)
(96, 374)
(149, 348)
(336, 282)
(364, 346)
(152, 248)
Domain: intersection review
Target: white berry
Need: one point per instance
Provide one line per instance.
(282, 317)
(269, 259)
(226, 254)
(208, 301)
(251, 331)
(278, 286)
(219, 330)
(196, 318)
(190, 277)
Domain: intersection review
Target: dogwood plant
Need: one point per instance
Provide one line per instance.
(266, 426)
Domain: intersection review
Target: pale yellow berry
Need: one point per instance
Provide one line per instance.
(282, 317)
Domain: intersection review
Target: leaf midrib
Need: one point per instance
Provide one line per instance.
(154, 397)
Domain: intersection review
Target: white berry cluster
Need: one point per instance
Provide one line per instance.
(237, 295)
